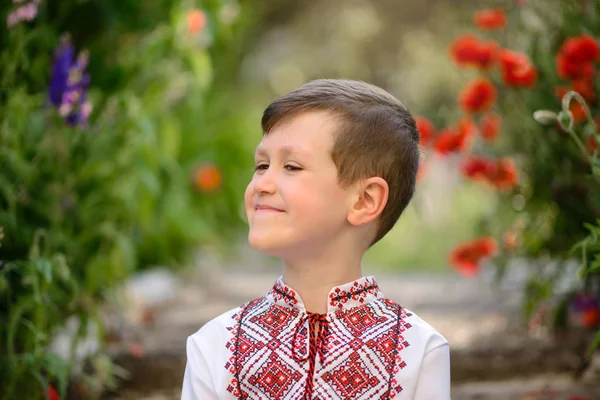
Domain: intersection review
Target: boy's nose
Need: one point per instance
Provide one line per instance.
(265, 183)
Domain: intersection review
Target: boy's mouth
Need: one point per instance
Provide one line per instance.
(266, 208)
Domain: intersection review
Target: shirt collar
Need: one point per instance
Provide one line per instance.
(343, 297)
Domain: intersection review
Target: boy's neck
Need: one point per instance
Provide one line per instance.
(313, 281)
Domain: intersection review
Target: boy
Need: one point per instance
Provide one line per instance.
(334, 170)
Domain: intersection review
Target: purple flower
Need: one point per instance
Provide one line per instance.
(68, 84)
(584, 302)
(584, 311)
(63, 57)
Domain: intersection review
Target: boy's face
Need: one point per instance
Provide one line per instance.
(294, 203)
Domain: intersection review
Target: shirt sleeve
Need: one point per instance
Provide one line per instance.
(197, 382)
(434, 377)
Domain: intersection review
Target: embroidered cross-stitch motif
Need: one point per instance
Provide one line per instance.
(358, 293)
(354, 352)
(284, 293)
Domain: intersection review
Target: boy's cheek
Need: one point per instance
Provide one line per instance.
(249, 212)
(248, 196)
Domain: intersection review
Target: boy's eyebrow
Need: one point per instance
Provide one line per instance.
(285, 150)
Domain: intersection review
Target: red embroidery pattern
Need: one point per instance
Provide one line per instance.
(359, 292)
(281, 292)
(352, 353)
(262, 362)
(352, 378)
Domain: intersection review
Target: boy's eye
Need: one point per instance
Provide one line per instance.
(264, 167)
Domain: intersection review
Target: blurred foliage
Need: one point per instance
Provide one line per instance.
(559, 195)
(559, 192)
(550, 216)
(157, 171)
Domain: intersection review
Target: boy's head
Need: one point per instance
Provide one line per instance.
(331, 148)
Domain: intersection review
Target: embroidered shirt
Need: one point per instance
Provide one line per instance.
(365, 347)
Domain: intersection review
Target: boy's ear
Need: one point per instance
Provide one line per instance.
(372, 196)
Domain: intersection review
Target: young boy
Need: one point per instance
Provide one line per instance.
(334, 170)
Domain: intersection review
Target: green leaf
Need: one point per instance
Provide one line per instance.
(44, 267)
(594, 345)
(127, 251)
(170, 137)
(16, 314)
(57, 368)
(201, 65)
(44, 384)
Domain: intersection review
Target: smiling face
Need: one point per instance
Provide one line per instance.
(294, 202)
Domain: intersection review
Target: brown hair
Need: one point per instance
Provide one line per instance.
(376, 136)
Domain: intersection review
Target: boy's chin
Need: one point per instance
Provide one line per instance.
(270, 246)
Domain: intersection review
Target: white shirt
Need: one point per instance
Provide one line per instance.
(364, 347)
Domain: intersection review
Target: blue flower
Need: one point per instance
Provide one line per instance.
(69, 83)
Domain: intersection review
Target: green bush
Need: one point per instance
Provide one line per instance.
(88, 196)
(532, 57)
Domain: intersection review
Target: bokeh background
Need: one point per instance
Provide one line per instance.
(127, 131)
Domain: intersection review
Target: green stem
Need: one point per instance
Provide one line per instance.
(578, 142)
(11, 69)
(566, 103)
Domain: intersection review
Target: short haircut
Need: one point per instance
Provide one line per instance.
(376, 136)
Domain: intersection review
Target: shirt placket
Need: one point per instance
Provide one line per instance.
(318, 327)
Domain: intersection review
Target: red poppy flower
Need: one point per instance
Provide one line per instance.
(135, 349)
(468, 50)
(489, 125)
(502, 174)
(490, 19)
(465, 126)
(560, 92)
(585, 90)
(465, 258)
(591, 144)
(479, 95)
(582, 48)
(51, 394)
(207, 178)
(568, 69)
(506, 175)
(577, 111)
(426, 129)
(517, 70)
(450, 140)
(591, 319)
(576, 57)
(584, 310)
(478, 168)
(196, 21)
(585, 87)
